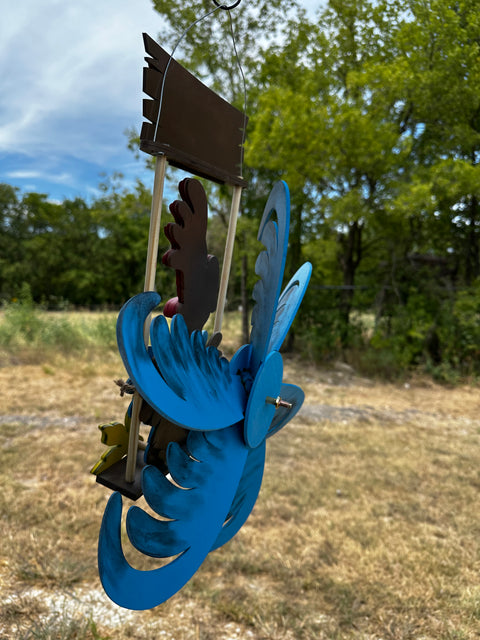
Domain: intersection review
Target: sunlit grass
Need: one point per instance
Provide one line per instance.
(29, 335)
(366, 526)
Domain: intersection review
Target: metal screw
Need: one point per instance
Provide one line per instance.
(278, 402)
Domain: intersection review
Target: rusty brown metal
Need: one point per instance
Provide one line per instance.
(197, 129)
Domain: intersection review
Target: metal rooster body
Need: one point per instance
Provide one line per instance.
(228, 409)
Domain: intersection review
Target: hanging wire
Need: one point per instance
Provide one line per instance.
(184, 33)
(244, 131)
(237, 57)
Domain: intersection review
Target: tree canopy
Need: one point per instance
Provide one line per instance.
(370, 110)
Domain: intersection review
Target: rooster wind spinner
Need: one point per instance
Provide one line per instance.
(202, 467)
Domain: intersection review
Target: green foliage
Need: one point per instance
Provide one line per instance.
(371, 113)
(321, 341)
(62, 626)
(464, 346)
(440, 334)
(207, 49)
(26, 327)
(75, 253)
(20, 319)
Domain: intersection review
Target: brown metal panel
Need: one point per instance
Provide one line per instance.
(150, 110)
(155, 50)
(147, 133)
(152, 82)
(154, 64)
(197, 130)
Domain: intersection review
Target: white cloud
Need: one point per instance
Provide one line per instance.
(70, 84)
(58, 178)
(23, 175)
(67, 67)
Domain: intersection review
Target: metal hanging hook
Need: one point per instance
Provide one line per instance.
(225, 6)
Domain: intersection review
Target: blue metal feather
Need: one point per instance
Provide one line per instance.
(155, 538)
(222, 455)
(269, 267)
(295, 396)
(245, 497)
(190, 384)
(288, 305)
(251, 480)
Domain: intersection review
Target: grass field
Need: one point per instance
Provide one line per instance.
(367, 525)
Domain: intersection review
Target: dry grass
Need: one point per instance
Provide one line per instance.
(366, 526)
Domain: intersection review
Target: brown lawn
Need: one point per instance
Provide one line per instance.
(367, 525)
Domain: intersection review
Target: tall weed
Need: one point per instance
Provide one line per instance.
(28, 329)
(62, 627)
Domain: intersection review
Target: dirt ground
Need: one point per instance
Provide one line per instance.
(375, 454)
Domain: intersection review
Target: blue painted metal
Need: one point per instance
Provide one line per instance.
(222, 455)
(260, 412)
(295, 396)
(288, 305)
(245, 497)
(228, 408)
(251, 481)
(190, 383)
(269, 267)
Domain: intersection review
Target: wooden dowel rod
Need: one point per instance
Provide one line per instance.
(155, 219)
(150, 271)
(133, 438)
(227, 258)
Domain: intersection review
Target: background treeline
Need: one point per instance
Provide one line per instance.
(371, 112)
(73, 253)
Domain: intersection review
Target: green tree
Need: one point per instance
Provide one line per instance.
(74, 252)
(10, 237)
(207, 48)
(370, 112)
(123, 217)
(341, 153)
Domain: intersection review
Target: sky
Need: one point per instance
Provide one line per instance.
(70, 86)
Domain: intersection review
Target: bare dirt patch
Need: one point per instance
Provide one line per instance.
(366, 525)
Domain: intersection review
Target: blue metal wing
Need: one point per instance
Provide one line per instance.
(245, 496)
(185, 381)
(288, 305)
(273, 313)
(271, 320)
(251, 480)
(269, 267)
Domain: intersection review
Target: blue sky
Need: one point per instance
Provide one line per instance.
(70, 85)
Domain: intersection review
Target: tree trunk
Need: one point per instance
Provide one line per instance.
(349, 256)
(472, 258)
